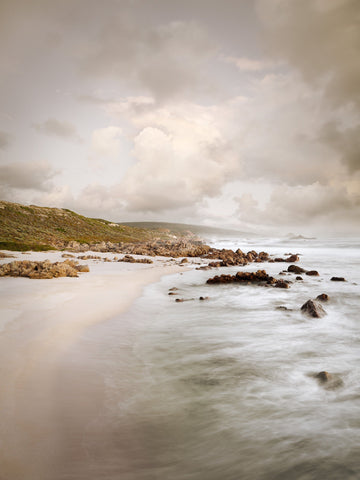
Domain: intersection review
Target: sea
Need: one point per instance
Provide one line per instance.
(224, 388)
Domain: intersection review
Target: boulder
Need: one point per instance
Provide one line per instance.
(312, 273)
(281, 284)
(313, 309)
(337, 279)
(323, 376)
(299, 278)
(292, 258)
(184, 260)
(295, 269)
(324, 297)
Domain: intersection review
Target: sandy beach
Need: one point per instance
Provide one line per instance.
(40, 320)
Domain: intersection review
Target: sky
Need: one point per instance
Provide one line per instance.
(239, 113)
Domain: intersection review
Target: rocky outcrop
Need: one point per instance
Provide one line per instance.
(42, 270)
(130, 259)
(313, 309)
(259, 278)
(243, 277)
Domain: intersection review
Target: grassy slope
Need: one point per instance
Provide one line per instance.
(40, 228)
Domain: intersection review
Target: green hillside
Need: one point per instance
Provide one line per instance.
(41, 228)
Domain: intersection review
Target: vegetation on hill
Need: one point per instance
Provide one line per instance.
(41, 228)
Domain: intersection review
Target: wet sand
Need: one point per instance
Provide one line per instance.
(40, 321)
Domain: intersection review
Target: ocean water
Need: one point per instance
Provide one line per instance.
(221, 389)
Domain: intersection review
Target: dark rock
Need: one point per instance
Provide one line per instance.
(204, 298)
(279, 260)
(173, 289)
(292, 258)
(312, 273)
(324, 297)
(313, 309)
(337, 279)
(178, 300)
(282, 307)
(295, 269)
(172, 293)
(298, 278)
(323, 376)
(281, 284)
(184, 260)
(328, 380)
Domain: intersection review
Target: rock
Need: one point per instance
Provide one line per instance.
(328, 380)
(130, 259)
(279, 260)
(67, 255)
(5, 255)
(312, 273)
(178, 300)
(184, 260)
(295, 269)
(324, 297)
(42, 270)
(173, 289)
(292, 258)
(204, 298)
(282, 307)
(82, 268)
(337, 279)
(323, 376)
(281, 284)
(259, 277)
(313, 309)
(298, 278)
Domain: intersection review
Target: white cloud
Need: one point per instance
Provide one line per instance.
(107, 141)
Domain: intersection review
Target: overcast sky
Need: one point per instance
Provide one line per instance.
(238, 113)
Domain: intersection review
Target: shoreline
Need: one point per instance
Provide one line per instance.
(41, 320)
(72, 304)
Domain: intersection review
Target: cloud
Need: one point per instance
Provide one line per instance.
(57, 128)
(245, 64)
(4, 140)
(167, 59)
(315, 206)
(26, 176)
(321, 39)
(182, 155)
(345, 141)
(107, 141)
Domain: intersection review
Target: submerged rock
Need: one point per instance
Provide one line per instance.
(281, 284)
(328, 380)
(313, 309)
